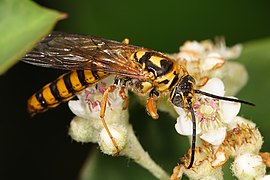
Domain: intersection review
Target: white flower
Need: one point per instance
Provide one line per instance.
(207, 47)
(207, 164)
(212, 137)
(212, 115)
(89, 104)
(88, 126)
(204, 59)
(242, 137)
(266, 177)
(248, 166)
(193, 51)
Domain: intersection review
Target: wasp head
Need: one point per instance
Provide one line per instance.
(183, 93)
(182, 96)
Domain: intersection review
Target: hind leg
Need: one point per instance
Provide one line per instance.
(102, 115)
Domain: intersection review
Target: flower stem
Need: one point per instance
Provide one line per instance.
(135, 151)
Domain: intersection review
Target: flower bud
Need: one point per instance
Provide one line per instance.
(207, 163)
(119, 135)
(82, 130)
(266, 177)
(248, 166)
(243, 137)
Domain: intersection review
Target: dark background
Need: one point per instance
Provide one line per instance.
(40, 148)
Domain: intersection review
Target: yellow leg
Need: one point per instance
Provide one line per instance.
(123, 95)
(151, 105)
(102, 114)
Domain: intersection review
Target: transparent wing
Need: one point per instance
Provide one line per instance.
(71, 51)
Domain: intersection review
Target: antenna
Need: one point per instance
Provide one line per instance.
(193, 141)
(223, 98)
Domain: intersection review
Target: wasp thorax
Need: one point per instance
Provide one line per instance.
(183, 92)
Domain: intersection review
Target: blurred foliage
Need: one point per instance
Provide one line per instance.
(43, 146)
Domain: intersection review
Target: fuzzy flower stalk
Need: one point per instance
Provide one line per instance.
(220, 132)
(87, 126)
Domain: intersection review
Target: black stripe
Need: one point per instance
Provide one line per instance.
(81, 77)
(41, 99)
(135, 57)
(146, 57)
(166, 64)
(68, 83)
(55, 91)
(166, 81)
(174, 81)
(95, 74)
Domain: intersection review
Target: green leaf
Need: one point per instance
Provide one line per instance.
(162, 142)
(22, 24)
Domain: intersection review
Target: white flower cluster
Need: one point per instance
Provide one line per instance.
(206, 59)
(87, 126)
(221, 132)
(212, 115)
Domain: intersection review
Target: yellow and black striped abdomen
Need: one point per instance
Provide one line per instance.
(63, 89)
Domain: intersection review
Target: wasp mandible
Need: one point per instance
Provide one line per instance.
(91, 59)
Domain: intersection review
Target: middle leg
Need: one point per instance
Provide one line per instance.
(151, 105)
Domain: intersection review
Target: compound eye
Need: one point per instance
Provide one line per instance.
(177, 100)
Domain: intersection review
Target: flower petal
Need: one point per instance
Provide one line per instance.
(188, 56)
(220, 158)
(212, 61)
(229, 110)
(233, 52)
(193, 46)
(215, 136)
(179, 110)
(184, 126)
(82, 110)
(214, 86)
(77, 108)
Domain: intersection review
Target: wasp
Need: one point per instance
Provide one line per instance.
(91, 59)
